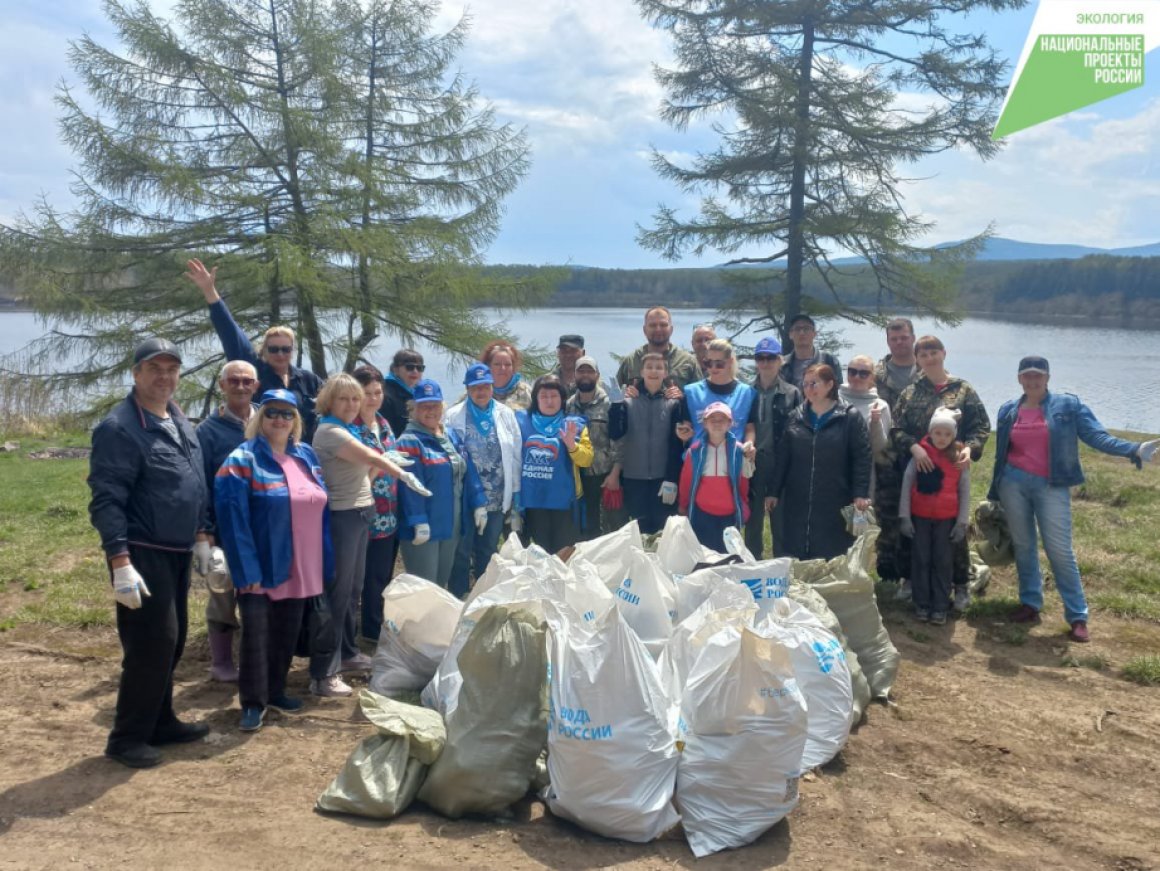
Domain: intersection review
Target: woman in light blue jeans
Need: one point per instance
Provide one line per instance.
(1036, 465)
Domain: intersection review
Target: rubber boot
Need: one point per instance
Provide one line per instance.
(221, 651)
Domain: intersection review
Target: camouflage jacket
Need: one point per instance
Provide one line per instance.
(683, 366)
(919, 401)
(886, 391)
(596, 413)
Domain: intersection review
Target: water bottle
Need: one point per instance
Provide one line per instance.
(859, 524)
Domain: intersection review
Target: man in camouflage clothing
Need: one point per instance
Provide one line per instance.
(591, 402)
(892, 375)
(936, 387)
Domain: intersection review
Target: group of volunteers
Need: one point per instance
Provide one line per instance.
(295, 497)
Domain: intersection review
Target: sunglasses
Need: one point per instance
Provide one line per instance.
(278, 413)
(414, 367)
(279, 349)
(716, 364)
(241, 382)
(858, 373)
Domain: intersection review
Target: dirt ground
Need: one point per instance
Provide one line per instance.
(994, 756)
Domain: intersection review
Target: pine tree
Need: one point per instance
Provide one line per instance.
(320, 152)
(814, 133)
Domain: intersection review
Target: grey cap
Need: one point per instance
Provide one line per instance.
(151, 348)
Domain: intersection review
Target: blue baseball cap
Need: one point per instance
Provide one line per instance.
(279, 394)
(479, 373)
(427, 391)
(768, 345)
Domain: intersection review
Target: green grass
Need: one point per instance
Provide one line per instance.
(1094, 661)
(1143, 670)
(991, 608)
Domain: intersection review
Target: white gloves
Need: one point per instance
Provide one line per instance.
(1148, 450)
(668, 492)
(422, 534)
(400, 459)
(615, 394)
(217, 579)
(480, 516)
(202, 554)
(515, 520)
(128, 586)
(414, 483)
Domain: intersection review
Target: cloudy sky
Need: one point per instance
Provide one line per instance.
(577, 74)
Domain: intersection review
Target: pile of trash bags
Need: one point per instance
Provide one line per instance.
(633, 689)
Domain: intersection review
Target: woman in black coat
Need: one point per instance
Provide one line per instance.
(822, 465)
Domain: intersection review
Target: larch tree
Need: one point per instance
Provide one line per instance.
(819, 103)
(322, 153)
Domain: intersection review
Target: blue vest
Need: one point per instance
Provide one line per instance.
(699, 397)
(546, 476)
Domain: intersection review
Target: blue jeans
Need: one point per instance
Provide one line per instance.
(1029, 499)
(474, 552)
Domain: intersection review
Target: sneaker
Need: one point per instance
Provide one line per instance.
(1025, 614)
(287, 705)
(938, 618)
(252, 717)
(903, 594)
(330, 687)
(1079, 632)
(358, 662)
(962, 599)
(922, 615)
(135, 756)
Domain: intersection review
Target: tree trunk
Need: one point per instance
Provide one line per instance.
(797, 190)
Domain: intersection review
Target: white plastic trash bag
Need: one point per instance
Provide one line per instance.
(383, 773)
(500, 723)
(743, 723)
(611, 554)
(849, 591)
(823, 676)
(419, 620)
(646, 598)
(728, 605)
(612, 758)
(678, 548)
(812, 601)
(767, 580)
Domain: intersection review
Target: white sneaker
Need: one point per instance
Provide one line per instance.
(330, 687)
(358, 662)
(962, 598)
(903, 594)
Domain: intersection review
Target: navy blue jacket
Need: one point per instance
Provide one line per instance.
(1068, 420)
(218, 435)
(303, 383)
(147, 489)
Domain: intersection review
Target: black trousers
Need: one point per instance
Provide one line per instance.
(932, 564)
(590, 518)
(380, 568)
(643, 501)
(269, 632)
(551, 529)
(152, 641)
(349, 531)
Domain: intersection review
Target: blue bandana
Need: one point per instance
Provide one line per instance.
(482, 417)
(353, 428)
(395, 378)
(501, 392)
(549, 426)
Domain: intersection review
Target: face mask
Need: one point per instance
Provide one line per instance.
(585, 386)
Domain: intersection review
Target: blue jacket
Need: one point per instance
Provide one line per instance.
(253, 513)
(695, 461)
(219, 435)
(432, 466)
(1068, 420)
(147, 490)
(740, 400)
(303, 383)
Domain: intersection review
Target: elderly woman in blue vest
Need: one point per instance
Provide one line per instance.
(1036, 464)
(274, 526)
(491, 437)
(722, 385)
(432, 525)
(347, 467)
(555, 447)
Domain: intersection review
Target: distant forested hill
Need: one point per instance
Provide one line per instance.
(1097, 286)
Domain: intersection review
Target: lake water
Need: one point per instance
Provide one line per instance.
(1108, 368)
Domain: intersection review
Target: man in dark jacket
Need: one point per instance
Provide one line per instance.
(149, 505)
(803, 331)
(219, 434)
(775, 400)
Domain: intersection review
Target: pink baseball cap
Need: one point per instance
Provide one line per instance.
(717, 408)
